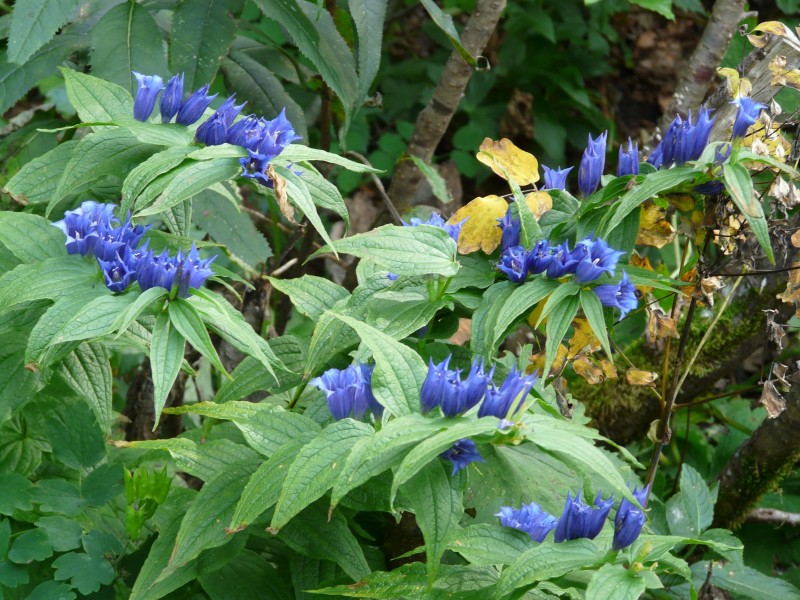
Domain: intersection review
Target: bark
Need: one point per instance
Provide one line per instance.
(773, 516)
(434, 119)
(759, 465)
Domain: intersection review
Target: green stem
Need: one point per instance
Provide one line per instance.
(298, 392)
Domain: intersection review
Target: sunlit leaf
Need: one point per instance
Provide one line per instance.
(481, 230)
(654, 229)
(520, 166)
(639, 377)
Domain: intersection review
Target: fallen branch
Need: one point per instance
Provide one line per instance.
(773, 516)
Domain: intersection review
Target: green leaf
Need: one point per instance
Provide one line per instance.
(316, 534)
(190, 179)
(264, 487)
(401, 315)
(229, 226)
(144, 173)
(593, 310)
(662, 7)
(74, 434)
(85, 573)
(127, 39)
(418, 250)
(315, 469)
(58, 496)
(438, 508)
(314, 33)
(144, 300)
(202, 32)
(331, 336)
(62, 533)
(30, 237)
(32, 545)
(445, 23)
(52, 590)
(399, 371)
(436, 181)
(740, 187)
(16, 493)
(431, 448)
(87, 370)
(254, 577)
(523, 298)
(484, 319)
(166, 356)
(160, 134)
(557, 325)
(254, 83)
(98, 155)
(265, 427)
(311, 295)
(368, 16)
(691, 511)
(546, 561)
(34, 23)
(650, 186)
(326, 195)
(748, 582)
(49, 279)
(615, 581)
(38, 179)
(300, 153)
(16, 79)
(300, 196)
(556, 299)
(203, 526)
(97, 100)
(488, 544)
(187, 321)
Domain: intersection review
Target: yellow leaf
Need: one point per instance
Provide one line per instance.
(480, 231)
(654, 229)
(642, 263)
(659, 325)
(521, 166)
(583, 341)
(539, 203)
(609, 370)
(537, 361)
(588, 370)
(792, 293)
(641, 378)
(738, 86)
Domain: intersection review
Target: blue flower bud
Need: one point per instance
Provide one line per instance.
(461, 454)
(345, 391)
(592, 164)
(628, 160)
(511, 230)
(84, 225)
(511, 393)
(562, 262)
(746, 115)
(580, 520)
(555, 179)
(117, 273)
(172, 98)
(539, 258)
(529, 518)
(433, 387)
(194, 106)
(149, 87)
(214, 130)
(629, 520)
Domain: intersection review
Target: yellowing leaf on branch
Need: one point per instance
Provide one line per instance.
(643, 263)
(539, 203)
(654, 229)
(520, 166)
(738, 86)
(480, 231)
(639, 377)
(583, 341)
(537, 361)
(588, 370)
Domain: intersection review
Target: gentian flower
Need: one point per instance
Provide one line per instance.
(345, 391)
(117, 273)
(149, 87)
(476, 384)
(498, 401)
(580, 520)
(594, 258)
(539, 258)
(443, 387)
(82, 225)
(592, 164)
(684, 140)
(194, 107)
(510, 227)
(629, 520)
(433, 387)
(366, 374)
(562, 262)
(214, 130)
(529, 518)
(186, 270)
(620, 295)
(172, 98)
(657, 157)
(436, 220)
(628, 160)
(264, 140)
(513, 264)
(555, 179)
(702, 130)
(746, 115)
(113, 240)
(461, 454)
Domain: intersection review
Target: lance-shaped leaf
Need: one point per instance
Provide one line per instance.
(166, 356)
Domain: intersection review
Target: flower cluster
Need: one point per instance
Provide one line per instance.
(349, 391)
(454, 394)
(91, 231)
(591, 168)
(684, 140)
(436, 220)
(578, 519)
(587, 262)
(263, 139)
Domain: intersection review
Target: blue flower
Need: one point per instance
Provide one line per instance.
(562, 262)
(82, 226)
(345, 391)
(510, 227)
(539, 258)
(172, 98)
(444, 387)
(263, 140)
(513, 262)
(702, 130)
(117, 273)
(594, 258)
(185, 270)
(433, 387)
(436, 220)
(194, 107)
(684, 140)
(628, 160)
(498, 401)
(746, 115)
(214, 130)
(366, 374)
(529, 518)
(113, 240)
(555, 179)
(580, 520)
(629, 520)
(620, 295)
(592, 164)
(657, 157)
(461, 454)
(149, 87)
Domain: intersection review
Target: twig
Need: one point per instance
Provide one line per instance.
(379, 185)
(773, 516)
(434, 119)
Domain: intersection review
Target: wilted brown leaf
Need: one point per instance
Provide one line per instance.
(480, 231)
(609, 370)
(795, 239)
(708, 287)
(537, 361)
(279, 186)
(683, 202)
(690, 277)
(775, 332)
(779, 371)
(521, 166)
(659, 325)
(588, 370)
(772, 400)
(583, 341)
(792, 293)
(654, 229)
(643, 263)
(639, 377)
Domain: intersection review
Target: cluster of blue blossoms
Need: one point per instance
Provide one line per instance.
(263, 139)
(349, 391)
(93, 230)
(579, 520)
(586, 262)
